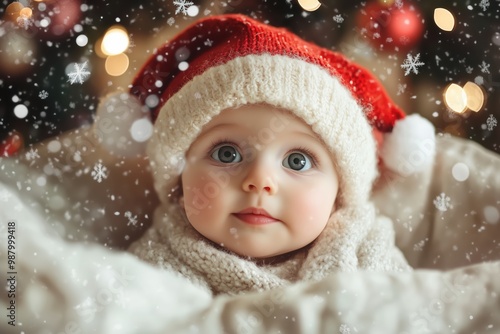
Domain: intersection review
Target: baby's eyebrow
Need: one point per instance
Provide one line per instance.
(209, 129)
(221, 125)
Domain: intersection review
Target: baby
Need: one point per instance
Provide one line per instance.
(264, 157)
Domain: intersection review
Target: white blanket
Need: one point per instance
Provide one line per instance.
(72, 277)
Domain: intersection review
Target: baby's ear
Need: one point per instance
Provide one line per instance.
(122, 125)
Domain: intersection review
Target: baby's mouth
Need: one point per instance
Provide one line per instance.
(255, 216)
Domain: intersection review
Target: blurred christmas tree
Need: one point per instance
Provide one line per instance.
(57, 57)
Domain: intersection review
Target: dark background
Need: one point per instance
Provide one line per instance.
(33, 59)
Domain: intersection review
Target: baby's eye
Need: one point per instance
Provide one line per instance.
(226, 154)
(297, 161)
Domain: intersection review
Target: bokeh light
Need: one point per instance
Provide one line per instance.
(21, 111)
(455, 98)
(116, 65)
(309, 5)
(475, 96)
(13, 10)
(115, 41)
(444, 19)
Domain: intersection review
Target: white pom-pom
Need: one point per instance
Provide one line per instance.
(122, 125)
(411, 146)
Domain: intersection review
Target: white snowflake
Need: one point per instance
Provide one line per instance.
(419, 246)
(411, 64)
(99, 172)
(132, 220)
(484, 4)
(182, 6)
(399, 4)
(24, 22)
(43, 94)
(338, 18)
(401, 89)
(344, 329)
(442, 202)
(491, 122)
(5, 195)
(32, 154)
(208, 42)
(122, 299)
(170, 21)
(437, 60)
(80, 74)
(485, 68)
(408, 226)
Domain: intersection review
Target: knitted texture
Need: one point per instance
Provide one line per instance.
(305, 89)
(351, 241)
(217, 40)
(233, 60)
(230, 61)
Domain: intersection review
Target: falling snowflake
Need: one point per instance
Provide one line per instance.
(122, 299)
(437, 60)
(32, 154)
(208, 42)
(80, 74)
(24, 22)
(484, 4)
(43, 94)
(170, 21)
(132, 220)
(399, 4)
(442, 202)
(485, 68)
(408, 226)
(411, 64)
(4, 195)
(338, 18)
(182, 6)
(344, 329)
(419, 246)
(99, 172)
(401, 89)
(491, 122)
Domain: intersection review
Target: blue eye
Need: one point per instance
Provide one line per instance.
(226, 154)
(297, 161)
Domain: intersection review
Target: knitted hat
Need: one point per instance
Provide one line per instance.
(228, 61)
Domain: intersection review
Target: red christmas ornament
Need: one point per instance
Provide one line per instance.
(395, 26)
(11, 145)
(59, 18)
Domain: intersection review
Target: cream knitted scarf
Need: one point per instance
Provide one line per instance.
(352, 240)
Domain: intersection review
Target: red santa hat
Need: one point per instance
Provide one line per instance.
(228, 61)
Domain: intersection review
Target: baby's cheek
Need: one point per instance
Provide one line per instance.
(313, 205)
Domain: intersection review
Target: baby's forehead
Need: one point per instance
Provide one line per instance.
(267, 116)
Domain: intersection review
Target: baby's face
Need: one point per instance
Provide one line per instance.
(259, 182)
